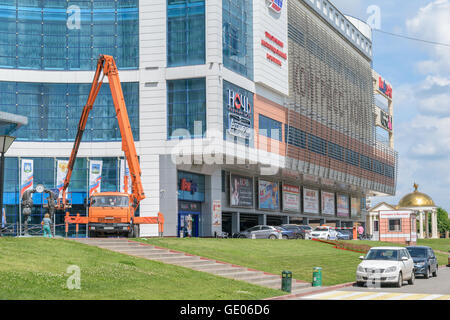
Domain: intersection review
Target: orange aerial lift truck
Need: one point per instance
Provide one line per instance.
(110, 212)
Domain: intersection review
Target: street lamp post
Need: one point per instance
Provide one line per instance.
(5, 143)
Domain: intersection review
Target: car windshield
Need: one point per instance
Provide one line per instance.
(382, 254)
(320, 229)
(109, 201)
(418, 252)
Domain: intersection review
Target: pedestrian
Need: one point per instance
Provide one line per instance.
(46, 222)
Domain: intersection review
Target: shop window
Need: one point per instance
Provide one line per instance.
(270, 128)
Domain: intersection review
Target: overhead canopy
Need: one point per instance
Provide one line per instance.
(11, 122)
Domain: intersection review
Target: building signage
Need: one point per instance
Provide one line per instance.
(390, 214)
(269, 195)
(355, 207)
(239, 115)
(267, 42)
(291, 198)
(241, 191)
(275, 5)
(342, 205)
(328, 203)
(311, 201)
(386, 120)
(188, 207)
(384, 87)
(191, 186)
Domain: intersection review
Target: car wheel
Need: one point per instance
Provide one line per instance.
(360, 284)
(400, 280)
(427, 275)
(242, 236)
(272, 237)
(413, 277)
(285, 237)
(435, 272)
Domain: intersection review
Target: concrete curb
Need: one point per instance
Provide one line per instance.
(310, 292)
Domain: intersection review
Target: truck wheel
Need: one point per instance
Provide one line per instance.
(136, 231)
(130, 233)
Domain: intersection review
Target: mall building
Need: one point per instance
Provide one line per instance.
(243, 112)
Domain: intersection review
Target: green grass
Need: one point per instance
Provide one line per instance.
(439, 246)
(273, 256)
(35, 268)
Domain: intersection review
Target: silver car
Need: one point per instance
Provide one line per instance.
(262, 232)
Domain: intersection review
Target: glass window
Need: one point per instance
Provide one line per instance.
(185, 32)
(317, 145)
(295, 137)
(237, 20)
(270, 128)
(186, 108)
(335, 151)
(395, 225)
(63, 35)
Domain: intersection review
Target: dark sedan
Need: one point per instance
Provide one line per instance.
(425, 261)
(300, 231)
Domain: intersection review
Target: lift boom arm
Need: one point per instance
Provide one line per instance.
(106, 66)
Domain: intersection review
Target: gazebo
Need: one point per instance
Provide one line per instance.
(423, 205)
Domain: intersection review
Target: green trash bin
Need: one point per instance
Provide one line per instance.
(317, 277)
(286, 281)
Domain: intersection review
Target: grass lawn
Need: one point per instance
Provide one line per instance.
(35, 268)
(442, 245)
(273, 256)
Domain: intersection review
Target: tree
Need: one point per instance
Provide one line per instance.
(443, 221)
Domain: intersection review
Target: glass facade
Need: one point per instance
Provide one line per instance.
(54, 110)
(68, 35)
(270, 128)
(186, 108)
(237, 19)
(45, 173)
(185, 32)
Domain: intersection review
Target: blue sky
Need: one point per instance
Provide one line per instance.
(420, 76)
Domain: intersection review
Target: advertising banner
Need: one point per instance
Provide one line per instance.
(355, 207)
(241, 189)
(269, 195)
(217, 213)
(95, 176)
(61, 172)
(328, 203)
(311, 201)
(124, 172)
(26, 176)
(291, 198)
(342, 205)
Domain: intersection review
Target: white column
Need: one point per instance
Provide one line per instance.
(434, 228)
(421, 236)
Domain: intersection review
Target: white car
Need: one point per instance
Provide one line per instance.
(386, 265)
(324, 233)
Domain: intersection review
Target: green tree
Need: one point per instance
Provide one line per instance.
(443, 221)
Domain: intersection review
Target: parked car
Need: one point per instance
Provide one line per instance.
(300, 232)
(425, 261)
(342, 236)
(348, 232)
(265, 232)
(323, 233)
(386, 265)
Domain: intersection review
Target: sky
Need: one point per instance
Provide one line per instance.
(420, 77)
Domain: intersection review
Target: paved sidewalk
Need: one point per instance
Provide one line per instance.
(218, 268)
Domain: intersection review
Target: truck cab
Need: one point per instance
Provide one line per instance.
(111, 213)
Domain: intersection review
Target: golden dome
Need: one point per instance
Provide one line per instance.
(416, 199)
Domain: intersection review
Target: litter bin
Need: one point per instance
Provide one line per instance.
(317, 277)
(286, 281)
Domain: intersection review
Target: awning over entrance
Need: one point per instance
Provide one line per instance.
(11, 122)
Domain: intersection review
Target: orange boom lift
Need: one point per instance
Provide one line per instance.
(110, 212)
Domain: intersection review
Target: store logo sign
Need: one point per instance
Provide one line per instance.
(275, 5)
(239, 102)
(189, 186)
(239, 115)
(384, 87)
(386, 120)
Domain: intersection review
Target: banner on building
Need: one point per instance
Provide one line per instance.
(291, 198)
(241, 191)
(355, 207)
(342, 205)
(311, 201)
(26, 180)
(124, 172)
(3, 218)
(269, 195)
(61, 173)
(95, 176)
(217, 213)
(328, 203)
